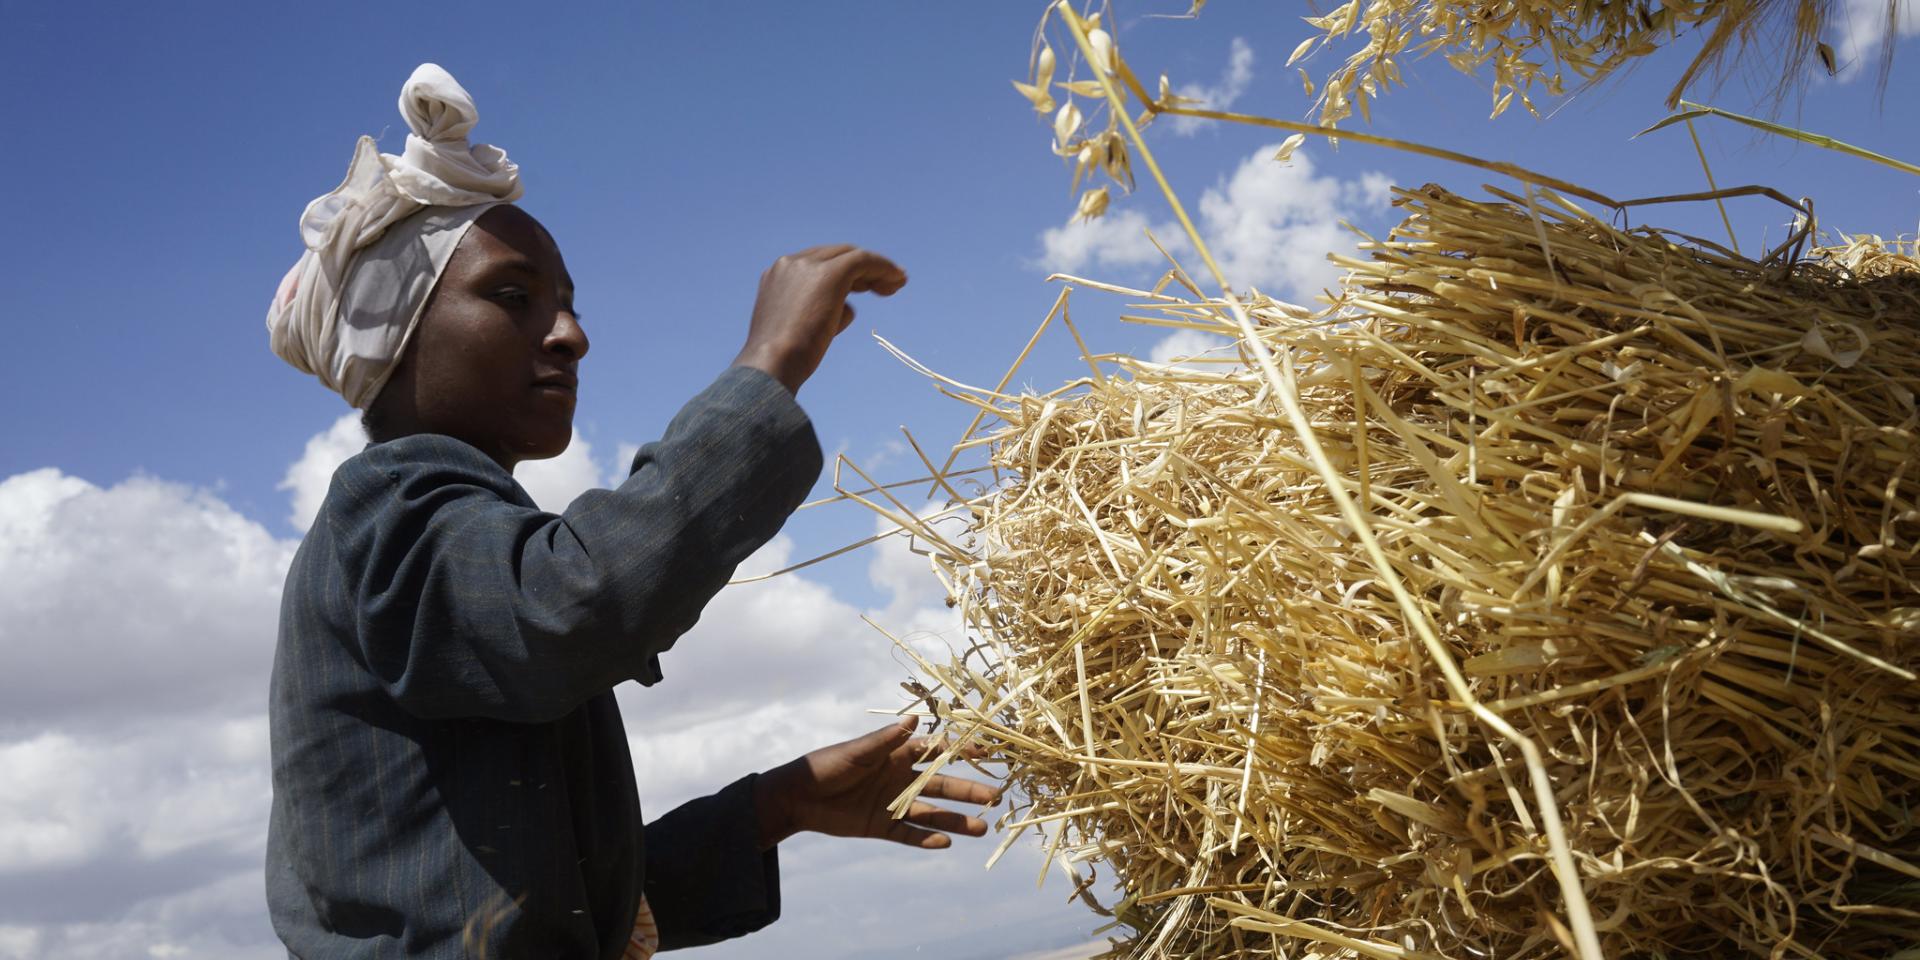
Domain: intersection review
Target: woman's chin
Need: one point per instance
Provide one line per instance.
(547, 444)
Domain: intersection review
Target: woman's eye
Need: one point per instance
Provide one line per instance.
(511, 294)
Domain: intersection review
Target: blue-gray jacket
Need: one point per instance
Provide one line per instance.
(450, 774)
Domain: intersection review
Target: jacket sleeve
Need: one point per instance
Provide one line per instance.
(473, 602)
(707, 879)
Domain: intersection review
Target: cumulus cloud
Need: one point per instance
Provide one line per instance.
(773, 644)
(131, 845)
(65, 795)
(221, 919)
(1269, 224)
(1187, 344)
(900, 566)
(1078, 951)
(551, 483)
(1116, 241)
(143, 600)
(873, 900)
(780, 667)
(1859, 33)
(554, 483)
(307, 480)
(137, 625)
(1220, 95)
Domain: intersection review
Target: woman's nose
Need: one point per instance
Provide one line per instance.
(567, 336)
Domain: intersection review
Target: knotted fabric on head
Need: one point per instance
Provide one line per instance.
(378, 242)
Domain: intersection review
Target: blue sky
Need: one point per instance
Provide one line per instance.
(162, 155)
(674, 149)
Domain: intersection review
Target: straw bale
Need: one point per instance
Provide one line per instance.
(1657, 501)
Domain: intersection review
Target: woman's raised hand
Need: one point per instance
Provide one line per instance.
(802, 306)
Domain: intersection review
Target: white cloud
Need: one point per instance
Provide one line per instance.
(222, 918)
(552, 483)
(136, 625)
(873, 900)
(1079, 951)
(18, 942)
(27, 942)
(1186, 344)
(781, 667)
(1221, 95)
(132, 732)
(778, 667)
(900, 566)
(307, 480)
(675, 761)
(1117, 240)
(777, 641)
(1371, 189)
(65, 797)
(1858, 32)
(623, 460)
(1270, 225)
(888, 452)
(142, 600)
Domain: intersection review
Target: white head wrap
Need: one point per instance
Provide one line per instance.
(346, 311)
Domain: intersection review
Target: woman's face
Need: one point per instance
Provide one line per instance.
(495, 359)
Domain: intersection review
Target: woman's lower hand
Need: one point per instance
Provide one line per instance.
(844, 790)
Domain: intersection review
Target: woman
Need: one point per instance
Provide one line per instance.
(451, 777)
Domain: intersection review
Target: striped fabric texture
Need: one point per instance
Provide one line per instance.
(450, 770)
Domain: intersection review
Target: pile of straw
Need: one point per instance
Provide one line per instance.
(1650, 686)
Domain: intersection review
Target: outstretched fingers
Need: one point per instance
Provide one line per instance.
(900, 831)
(959, 790)
(869, 272)
(927, 827)
(948, 821)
